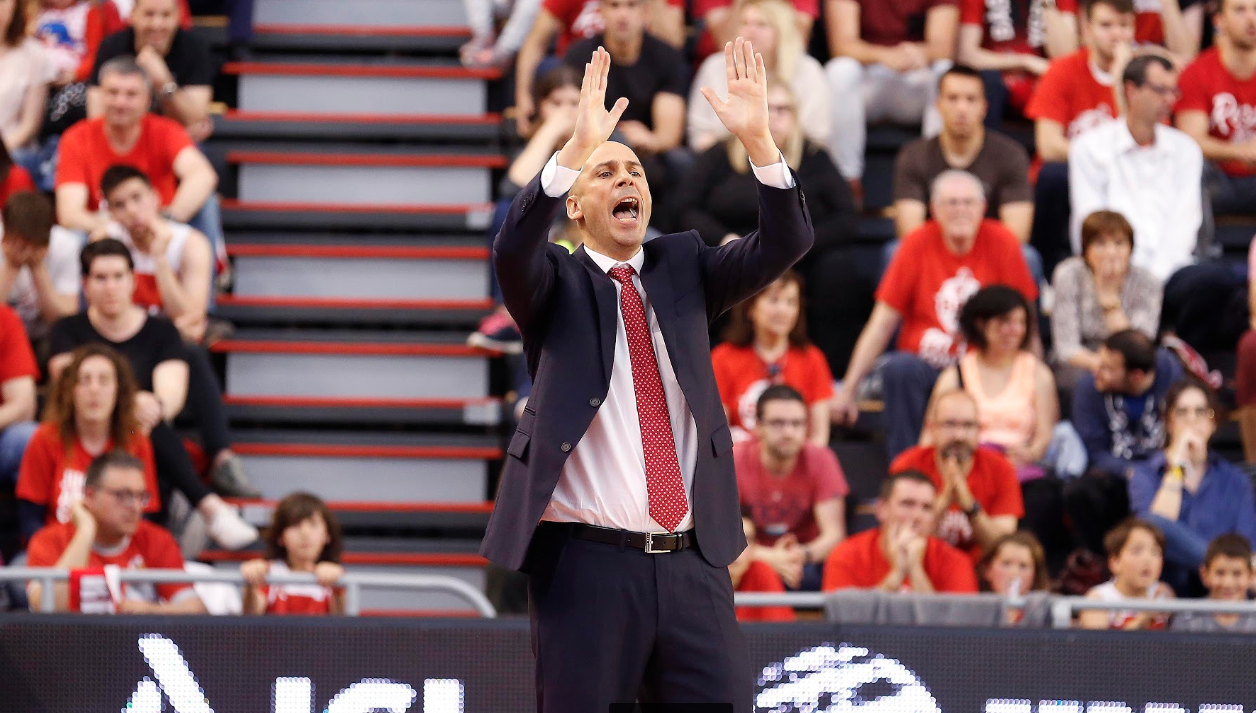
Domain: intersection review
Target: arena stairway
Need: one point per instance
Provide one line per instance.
(357, 162)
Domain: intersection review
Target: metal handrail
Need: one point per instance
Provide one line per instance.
(1062, 608)
(351, 581)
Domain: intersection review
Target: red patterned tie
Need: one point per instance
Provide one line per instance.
(668, 503)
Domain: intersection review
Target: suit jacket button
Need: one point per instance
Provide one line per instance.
(565, 447)
(595, 402)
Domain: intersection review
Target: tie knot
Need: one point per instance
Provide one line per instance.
(622, 274)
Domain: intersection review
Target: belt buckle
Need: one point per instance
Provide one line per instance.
(649, 543)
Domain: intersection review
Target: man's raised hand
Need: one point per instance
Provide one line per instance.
(594, 123)
(745, 113)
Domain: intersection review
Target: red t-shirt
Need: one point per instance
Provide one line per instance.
(581, 19)
(760, 577)
(19, 179)
(787, 504)
(150, 547)
(1229, 102)
(858, 563)
(1070, 94)
(53, 478)
(992, 481)
(296, 599)
(17, 359)
(927, 284)
(85, 155)
(742, 377)
(889, 23)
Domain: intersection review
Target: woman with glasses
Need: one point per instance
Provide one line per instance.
(90, 411)
(1188, 491)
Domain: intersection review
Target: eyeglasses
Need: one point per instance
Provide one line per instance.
(781, 423)
(1161, 90)
(130, 497)
(959, 425)
(1186, 412)
(958, 202)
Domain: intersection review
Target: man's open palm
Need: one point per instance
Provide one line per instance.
(594, 123)
(745, 114)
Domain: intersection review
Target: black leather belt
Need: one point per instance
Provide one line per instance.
(652, 543)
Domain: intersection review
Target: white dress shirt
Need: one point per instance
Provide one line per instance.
(603, 480)
(1157, 188)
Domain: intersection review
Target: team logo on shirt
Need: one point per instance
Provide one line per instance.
(935, 344)
(589, 22)
(1233, 120)
(1089, 119)
(1002, 22)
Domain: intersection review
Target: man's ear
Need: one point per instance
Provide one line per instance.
(574, 212)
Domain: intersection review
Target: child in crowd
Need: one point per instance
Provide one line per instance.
(1227, 573)
(303, 537)
(1136, 557)
(1013, 565)
(751, 575)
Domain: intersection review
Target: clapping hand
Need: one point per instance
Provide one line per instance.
(594, 123)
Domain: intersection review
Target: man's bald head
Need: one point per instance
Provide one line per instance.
(611, 201)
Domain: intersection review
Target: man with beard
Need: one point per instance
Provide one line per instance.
(794, 491)
(979, 497)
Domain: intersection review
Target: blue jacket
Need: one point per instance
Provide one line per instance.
(1121, 430)
(1223, 504)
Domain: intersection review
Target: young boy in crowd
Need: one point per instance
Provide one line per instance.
(1135, 557)
(1227, 573)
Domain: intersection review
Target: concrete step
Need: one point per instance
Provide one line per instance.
(362, 175)
(359, 312)
(389, 514)
(300, 125)
(376, 38)
(391, 86)
(348, 411)
(253, 215)
(362, 13)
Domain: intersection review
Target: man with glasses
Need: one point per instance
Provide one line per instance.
(794, 491)
(108, 528)
(937, 268)
(1143, 169)
(979, 497)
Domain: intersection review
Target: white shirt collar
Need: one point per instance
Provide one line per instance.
(606, 263)
(1125, 142)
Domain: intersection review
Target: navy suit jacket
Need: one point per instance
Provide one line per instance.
(567, 311)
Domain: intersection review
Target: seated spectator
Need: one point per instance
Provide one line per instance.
(17, 394)
(1098, 293)
(887, 59)
(1245, 371)
(1013, 391)
(1009, 43)
(1188, 491)
(486, 47)
(118, 14)
(107, 527)
(1077, 93)
(40, 271)
(1143, 169)
(793, 491)
(128, 134)
(158, 360)
(1135, 556)
(718, 199)
(173, 261)
(13, 178)
(175, 61)
(900, 555)
(766, 344)
(1118, 412)
(90, 411)
(999, 162)
(571, 21)
(25, 72)
(1216, 108)
(558, 96)
(752, 575)
(720, 25)
(1227, 574)
(979, 499)
(303, 537)
(771, 27)
(937, 268)
(1013, 565)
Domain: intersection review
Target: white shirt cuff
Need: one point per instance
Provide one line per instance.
(776, 175)
(557, 180)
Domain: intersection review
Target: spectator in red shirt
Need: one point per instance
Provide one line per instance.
(303, 537)
(979, 495)
(13, 178)
(1218, 109)
(17, 394)
(720, 23)
(1078, 92)
(887, 59)
(900, 555)
(90, 411)
(937, 268)
(107, 527)
(793, 491)
(572, 20)
(751, 575)
(766, 343)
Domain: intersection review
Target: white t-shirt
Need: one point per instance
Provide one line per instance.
(21, 68)
(63, 266)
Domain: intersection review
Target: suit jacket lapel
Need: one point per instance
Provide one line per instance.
(658, 288)
(607, 308)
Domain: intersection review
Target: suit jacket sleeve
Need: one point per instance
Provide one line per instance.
(525, 267)
(743, 267)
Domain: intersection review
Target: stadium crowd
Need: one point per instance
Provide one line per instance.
(1035, 359)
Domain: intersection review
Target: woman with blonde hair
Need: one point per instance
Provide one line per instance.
(770, 26)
